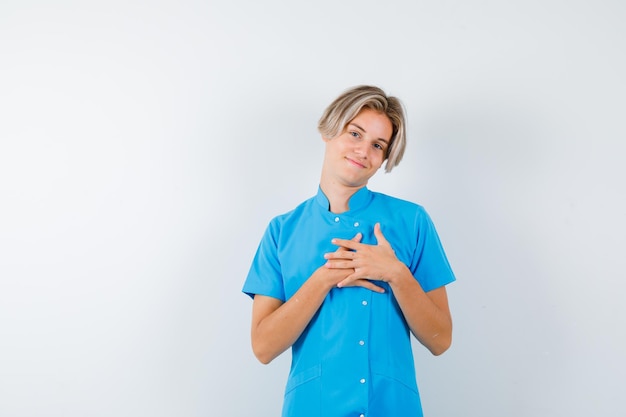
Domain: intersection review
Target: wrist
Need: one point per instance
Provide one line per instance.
(323, 279)
(398, 273)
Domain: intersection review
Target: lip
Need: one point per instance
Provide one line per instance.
(355, 163)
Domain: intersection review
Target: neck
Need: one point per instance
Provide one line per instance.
(338, 195)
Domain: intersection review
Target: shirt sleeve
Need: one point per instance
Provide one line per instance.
(265, 275)
(430, 264)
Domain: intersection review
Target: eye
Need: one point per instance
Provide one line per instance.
(379, 147)
(354, 134)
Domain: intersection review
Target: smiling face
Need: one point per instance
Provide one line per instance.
(354, 156)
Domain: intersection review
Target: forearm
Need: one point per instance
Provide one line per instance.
(277, 331)
(427, 314)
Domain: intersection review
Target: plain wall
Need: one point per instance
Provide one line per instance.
(144, 146)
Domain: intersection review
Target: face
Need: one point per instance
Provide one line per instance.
(354, 156)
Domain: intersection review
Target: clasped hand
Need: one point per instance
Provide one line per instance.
(369, 262)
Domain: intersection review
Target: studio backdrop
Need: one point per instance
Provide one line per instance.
(145, 146)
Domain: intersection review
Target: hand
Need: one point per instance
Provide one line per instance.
(370, 262)
(344, 254)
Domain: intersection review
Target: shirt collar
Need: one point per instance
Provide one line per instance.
(358, 200)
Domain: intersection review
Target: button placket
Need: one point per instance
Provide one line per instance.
(361, 342)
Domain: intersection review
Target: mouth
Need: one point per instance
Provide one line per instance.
(355, 163)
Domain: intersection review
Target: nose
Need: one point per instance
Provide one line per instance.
(362, 149)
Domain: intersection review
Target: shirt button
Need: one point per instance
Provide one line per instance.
(356, 224)
(361, 342)
(362, 381)
(336, 219)
(364, 302)
(361, 415)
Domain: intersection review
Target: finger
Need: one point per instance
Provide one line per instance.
(357, 238)
(361, 283)
(339, 264)
(340, 254)
(348, 244)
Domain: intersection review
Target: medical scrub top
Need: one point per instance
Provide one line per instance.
(354, 358)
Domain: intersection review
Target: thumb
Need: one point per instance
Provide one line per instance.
(380, 238)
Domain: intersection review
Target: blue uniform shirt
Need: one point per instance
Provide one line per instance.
(354, 358)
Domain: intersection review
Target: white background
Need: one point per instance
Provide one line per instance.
(144, 146)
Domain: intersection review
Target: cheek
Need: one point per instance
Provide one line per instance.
(379, 160)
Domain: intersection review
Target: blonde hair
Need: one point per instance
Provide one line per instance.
(348, 105)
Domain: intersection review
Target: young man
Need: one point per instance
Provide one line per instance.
(345, 277)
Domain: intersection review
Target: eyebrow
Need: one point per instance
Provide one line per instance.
(365, 131)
